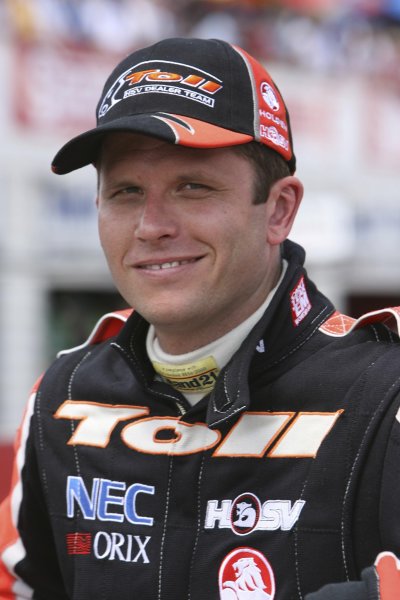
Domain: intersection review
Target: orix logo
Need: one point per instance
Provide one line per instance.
(254, 435)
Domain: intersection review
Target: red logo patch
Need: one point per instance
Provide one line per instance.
(299, 302)
(79, 543)
(245, 574)
(245, 513)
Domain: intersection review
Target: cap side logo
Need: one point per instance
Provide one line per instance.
(269, 96)
(270, 123)
(299, 302)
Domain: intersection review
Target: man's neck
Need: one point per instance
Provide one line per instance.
(179, 341)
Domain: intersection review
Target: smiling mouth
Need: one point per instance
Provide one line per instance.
(168, 265)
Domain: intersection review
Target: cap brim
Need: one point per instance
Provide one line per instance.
(176, 129)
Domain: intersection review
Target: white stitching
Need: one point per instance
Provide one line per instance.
(72, 426)
(198, 524)
(296, 547)
(41, 442)
(374, 417)
(164, 533)
(160, 394)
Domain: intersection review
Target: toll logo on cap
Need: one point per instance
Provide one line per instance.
(176, 79)
(246, 574)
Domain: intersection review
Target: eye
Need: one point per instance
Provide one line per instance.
(194, 189)
(191, 185)
(130, 189)
(125, 192)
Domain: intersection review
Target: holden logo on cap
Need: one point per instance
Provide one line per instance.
(245, 574)
(269, 96)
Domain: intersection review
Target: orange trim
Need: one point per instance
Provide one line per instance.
(140, 410)
(8, 532)
(274, 452)
(199, 134)
(220, 450)
(170, 443)
(339, 325)
(108, 326)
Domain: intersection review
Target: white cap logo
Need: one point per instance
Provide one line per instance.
(269, 96)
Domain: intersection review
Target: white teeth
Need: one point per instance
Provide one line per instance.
(167, 265)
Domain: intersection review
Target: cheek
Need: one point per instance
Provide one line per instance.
(111, 236)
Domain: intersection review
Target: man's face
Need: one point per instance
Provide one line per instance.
(186, 245)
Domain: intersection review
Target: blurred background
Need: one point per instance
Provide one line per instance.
(337, 63)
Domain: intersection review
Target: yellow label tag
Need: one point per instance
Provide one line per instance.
(199, 376)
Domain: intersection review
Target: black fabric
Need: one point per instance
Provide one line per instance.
(153, 500)
(367, 589)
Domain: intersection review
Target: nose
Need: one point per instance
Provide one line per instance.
(156, 220)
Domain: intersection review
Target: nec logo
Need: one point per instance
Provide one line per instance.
(107, 501)
(254, 435)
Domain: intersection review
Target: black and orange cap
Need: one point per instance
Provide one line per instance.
(193, 92)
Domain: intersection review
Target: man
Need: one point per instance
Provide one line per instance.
(234, 437)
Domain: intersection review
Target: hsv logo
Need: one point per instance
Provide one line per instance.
(177, 79)
(245, 574)
(254, 435)
(246, 514)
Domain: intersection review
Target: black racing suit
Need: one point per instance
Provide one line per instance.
(285, 478)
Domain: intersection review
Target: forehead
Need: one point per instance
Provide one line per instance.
(124, 142)
(124, 146)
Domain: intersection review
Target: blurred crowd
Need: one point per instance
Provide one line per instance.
(329, 35)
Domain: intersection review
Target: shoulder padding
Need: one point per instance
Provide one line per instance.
(339, 325)
(108, 326)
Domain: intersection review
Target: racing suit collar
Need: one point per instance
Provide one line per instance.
(296, 311)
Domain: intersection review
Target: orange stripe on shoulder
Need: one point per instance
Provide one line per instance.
(108, 326)
(9, 535)
(339, 325)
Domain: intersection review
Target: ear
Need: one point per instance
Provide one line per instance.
(282, 206)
